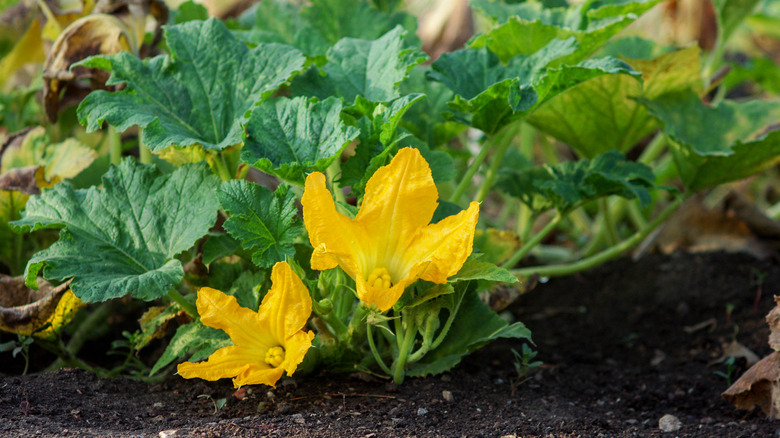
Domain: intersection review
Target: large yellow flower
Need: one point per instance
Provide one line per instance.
(266, 343)
(390, 243)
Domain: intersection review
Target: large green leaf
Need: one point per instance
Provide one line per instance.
(524, 28)
(294, 137)
(494, 95)
(426, 120)
(371, 69)
(265, 222)
(201, 94)
(475, 325)
(713, 145)
(315, 27)
(568, 185)
(607, 114)
(122, 239)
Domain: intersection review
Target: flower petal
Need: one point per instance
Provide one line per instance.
(287, 305)
(337, 239)
(400, 198)
(383, 298)
(257, 375)
(442, 248)
(225, 362)
(245, 327)
(296, 348)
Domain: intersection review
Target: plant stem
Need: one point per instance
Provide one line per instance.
(144, 154)
(114, 146)
(502, 140)
(404, 348)
(174, 295)
(374, 352)
(332, 172)
(653, 149)
(609, 223)
(220, 166)
(531, 243)
(603, 256)
(470, 172)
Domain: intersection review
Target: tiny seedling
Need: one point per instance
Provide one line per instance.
(219, 403)
(21, 345)
(731, 367)
(523, 365)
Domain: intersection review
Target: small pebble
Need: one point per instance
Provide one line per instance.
(422, 411)
(298, 418)
(447, 396)
(669, 423)
(168, 433)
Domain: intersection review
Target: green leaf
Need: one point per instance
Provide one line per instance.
(189, 11)
(527, 27)
(426, 120)
(608, 115)
(291, 138)
(371, 69)
(217, 246)
(475, 325)
(713, 145)
(193, 338)
(568, 185)
(265, 222)
(122, 239)
(496, 95)
(60, 160)
(730, 14)
(763, 72)
(201, 94)
(315, 27)
(475, 269)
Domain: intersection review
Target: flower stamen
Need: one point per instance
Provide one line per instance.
(274, 356)
(380, 278)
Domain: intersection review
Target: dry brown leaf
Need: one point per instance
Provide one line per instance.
(759, 386)
(24, 310)
(773, 319)
(28, 180)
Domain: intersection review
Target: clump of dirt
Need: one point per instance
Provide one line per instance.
(623, 346)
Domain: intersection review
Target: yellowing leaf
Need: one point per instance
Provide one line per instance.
(29, 312)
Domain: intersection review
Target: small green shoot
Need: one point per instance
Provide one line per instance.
(524, 365)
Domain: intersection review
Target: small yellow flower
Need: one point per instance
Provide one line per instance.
(266, 343)
(390, 243)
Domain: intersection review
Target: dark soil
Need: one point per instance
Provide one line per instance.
(617, 343)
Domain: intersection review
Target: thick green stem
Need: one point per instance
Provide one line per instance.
(375, 352)
(220, 166)
(464, 183)
(332, 172)
(654, 149)
(114, 146)
(609, 223)
(332, 319)
(404, 348)
(174, 295)
(502, 142)
(531, 243)
(603, 256)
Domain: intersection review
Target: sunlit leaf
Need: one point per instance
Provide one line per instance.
(122, 239)
(494, 95)
(608, 115)
(265, 222)
(524, 28)
(713, 145)
(202, 93)
(294, 137)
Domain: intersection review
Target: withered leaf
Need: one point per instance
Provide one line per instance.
(759, 386)
(26, 311)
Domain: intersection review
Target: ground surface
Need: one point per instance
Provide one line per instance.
(617, 358)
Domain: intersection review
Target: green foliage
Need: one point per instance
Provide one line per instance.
(608, 115)
(714, 145)
(122, 239)
(494, 95)
(193, 338)
(568, 185)
(525, 28)
(291, 138)
(369, 69)
(201, 94)
(265, 222)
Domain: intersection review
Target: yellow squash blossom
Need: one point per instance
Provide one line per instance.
(266, 343)
(390, 243)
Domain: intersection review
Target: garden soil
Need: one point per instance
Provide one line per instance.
(623, 346)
